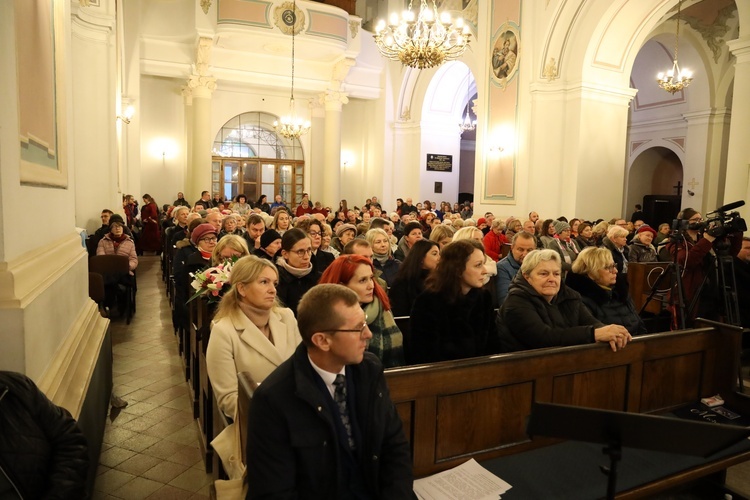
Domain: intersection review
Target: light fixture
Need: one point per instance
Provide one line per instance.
(292, 126)
(422, 40)
(675, 79)
(127, 114)
(467, 123)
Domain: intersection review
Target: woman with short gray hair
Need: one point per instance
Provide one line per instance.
(540, 311)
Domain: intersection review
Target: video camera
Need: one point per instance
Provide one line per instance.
(721, 221)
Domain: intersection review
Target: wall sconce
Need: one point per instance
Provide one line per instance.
(496, 148)
(347, 159)
(127, 114)
(164, 148)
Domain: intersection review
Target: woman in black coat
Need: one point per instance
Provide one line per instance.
(452, 318)
(411, 276)
(540, 311)
(296, 272)
(594, 276)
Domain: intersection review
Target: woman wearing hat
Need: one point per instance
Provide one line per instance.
(563, 244)
(204, 239)
(270, 243)
(641, 250)
(116, 242)
(344, 234)
(296, 273)
(412, 234)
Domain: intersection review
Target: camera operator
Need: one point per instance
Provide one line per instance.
(742, 278)
(696, 261)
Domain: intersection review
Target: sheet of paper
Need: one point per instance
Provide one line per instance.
(468, 481)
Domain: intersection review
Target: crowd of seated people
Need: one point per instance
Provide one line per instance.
(465, 287)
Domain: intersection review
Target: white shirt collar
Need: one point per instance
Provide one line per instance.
(328, 377)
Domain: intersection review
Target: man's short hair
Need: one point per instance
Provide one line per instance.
(356, 242)
(204, 193)
(378, 223)
(107, 211)
(522, 235)
(255, 219)
(315, 312)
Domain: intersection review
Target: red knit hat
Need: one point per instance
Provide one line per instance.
(645, 228)
(201, 231)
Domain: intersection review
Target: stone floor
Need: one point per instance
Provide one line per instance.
(150, 447)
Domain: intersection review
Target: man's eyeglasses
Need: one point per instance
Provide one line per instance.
(302, 253)
(361, 331)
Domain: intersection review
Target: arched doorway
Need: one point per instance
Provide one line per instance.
(655, 180)
(250, 158)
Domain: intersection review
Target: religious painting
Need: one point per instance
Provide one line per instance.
(39, 41)
(504, 59)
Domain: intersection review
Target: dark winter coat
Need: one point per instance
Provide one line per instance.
(388, 270)
(441, 331)
(403, 293)
(606, 305)
(42, 451)
(621, 261)
(294, 448)
(527, 321)
(291, 289)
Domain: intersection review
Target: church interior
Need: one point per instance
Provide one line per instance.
(106, 98)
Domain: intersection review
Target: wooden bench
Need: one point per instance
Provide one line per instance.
(477, 408)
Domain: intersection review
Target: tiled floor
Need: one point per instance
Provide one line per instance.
(151, 446)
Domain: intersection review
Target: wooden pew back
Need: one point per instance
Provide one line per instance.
(477, 408)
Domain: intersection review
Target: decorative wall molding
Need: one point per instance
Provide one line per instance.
(26, 277)
(289, 18)
(67, 378)
(713, 34)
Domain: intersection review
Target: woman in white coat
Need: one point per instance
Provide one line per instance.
(250, 332)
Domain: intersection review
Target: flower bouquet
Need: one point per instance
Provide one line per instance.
(212, 282)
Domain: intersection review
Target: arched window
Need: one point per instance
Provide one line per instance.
(250, 158)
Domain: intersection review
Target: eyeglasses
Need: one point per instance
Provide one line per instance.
(314, 233)
(210, 239)
(695, 219)
(361, 331)
(612, 268)
(301, 253)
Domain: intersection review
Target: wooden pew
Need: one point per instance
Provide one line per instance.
(476, 408)
(642, 277)
(246, 388)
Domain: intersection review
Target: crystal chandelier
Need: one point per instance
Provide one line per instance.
(292, 126)
(423, 40)
(467, 123)
(675, 79)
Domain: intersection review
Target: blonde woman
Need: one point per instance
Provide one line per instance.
(251, 332)
(442, 235)
(474, 233)
(228, 247)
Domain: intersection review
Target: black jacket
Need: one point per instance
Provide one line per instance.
(403, 293)
(441, 331)
(291, 289)
(527, 321)
(293, 444)
(321, 260)
(388, 270)
(621, 258)
(606, 305)
(42, 451)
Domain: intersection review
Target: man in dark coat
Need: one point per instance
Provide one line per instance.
(43, 453)
(322, 425)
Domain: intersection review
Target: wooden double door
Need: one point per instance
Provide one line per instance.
(255, 176)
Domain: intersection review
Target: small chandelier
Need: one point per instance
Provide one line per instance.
(467, 123)
(428, 41)
(675, 79)
(292, 126)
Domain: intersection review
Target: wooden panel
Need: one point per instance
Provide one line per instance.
(672, 381)
(482, 420)
(603, 389)
(406, 414)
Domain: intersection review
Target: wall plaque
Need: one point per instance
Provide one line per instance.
(439, 163)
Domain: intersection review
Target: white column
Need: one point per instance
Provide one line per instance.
(315, 162)
(332, 147)
(705, 159)
(738, 154)
(199, 169)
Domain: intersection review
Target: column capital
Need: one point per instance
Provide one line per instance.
(201, 86)
(333, 100)
(187, 95)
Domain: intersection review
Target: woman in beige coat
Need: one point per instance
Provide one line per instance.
(250, 332)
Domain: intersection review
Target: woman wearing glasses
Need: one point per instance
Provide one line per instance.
(296, 273)
(357, 273)
(594, 276)
(540, 311)
(251, 331)
(320, 258)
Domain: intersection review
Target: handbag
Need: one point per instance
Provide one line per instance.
(227, 445)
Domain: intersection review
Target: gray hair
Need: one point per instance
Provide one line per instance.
(615, 231)
(535, 257)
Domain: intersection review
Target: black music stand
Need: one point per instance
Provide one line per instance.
(616, 429)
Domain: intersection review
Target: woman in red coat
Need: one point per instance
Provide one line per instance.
(150, 240)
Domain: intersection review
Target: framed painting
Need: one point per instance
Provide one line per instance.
(42, 111)
(505, 52)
